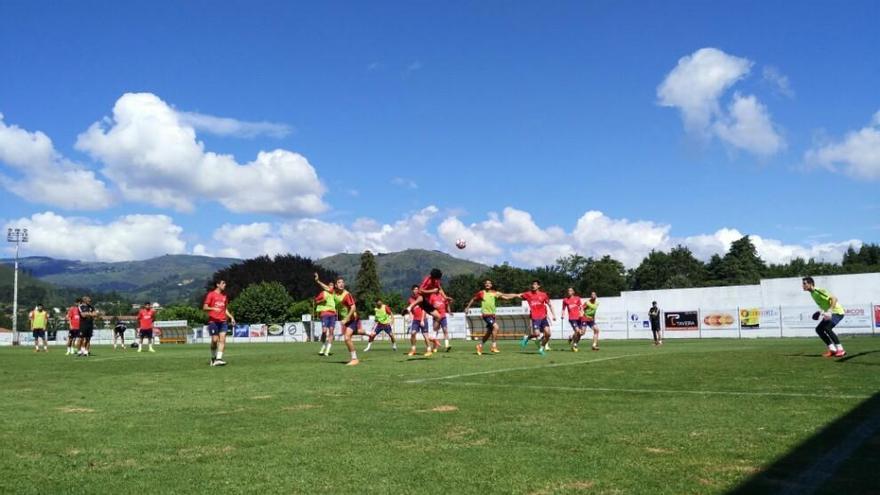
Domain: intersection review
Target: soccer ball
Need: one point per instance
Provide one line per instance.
(460, 244)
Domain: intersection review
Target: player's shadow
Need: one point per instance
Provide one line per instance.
(858, 354)
(841, 458)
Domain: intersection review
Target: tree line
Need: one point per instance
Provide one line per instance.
(270, 290)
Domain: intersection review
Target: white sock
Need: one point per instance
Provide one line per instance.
(354, 354)
(445, 342)
(329, 345)
(839, 347)
(832, 347)
(220, 355)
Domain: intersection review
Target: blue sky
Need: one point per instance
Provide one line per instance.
(530, 130)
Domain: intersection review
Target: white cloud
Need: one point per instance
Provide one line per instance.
(697, 82)
(130, 237)
(627, 241)
(154, 157)
(225, 126)
(44, 175)
(770, 250)
(404, 182)
(317, 238)
(695, 87)
(748, 126)
(857, 154)
(779, 80)
(517, 227)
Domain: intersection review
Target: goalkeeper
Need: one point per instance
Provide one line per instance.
(831, 314)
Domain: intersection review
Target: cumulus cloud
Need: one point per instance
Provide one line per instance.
(405, 183)
(130, 237)
(748, 126)
(770, 250)
(318, 238)
(44, 176)
(695, 87)
(153, 156)
(225, 126)
(857, 154)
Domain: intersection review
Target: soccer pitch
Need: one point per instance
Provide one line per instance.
(689, 417)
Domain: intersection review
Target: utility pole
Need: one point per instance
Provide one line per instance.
(18, 236)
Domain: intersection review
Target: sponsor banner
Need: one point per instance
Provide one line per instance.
(502, 311)
(720, 319)
(682, 320)
(240, 331)
(758, 318)
(611, 321)
(639, 321)
(171, 324)
(258, 330)
(857, 317)
(275, 330)
(799, 317)
(877, 316)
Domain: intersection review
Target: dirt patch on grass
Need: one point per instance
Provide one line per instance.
(74, 452)
(655, 450)
(300, 407)
(75, 410)
(261, 397)
(443, 408)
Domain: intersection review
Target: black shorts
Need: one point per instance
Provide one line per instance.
(39, 334)
(86, 333)
(119, 331)
(73, 334)
(145, 334)
(428, 307)
(217, 328)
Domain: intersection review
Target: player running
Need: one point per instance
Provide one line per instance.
(87, 315)
(590, 307)
(832, 313)
(384, 317)
(487, 299)
(119, 334)
(145, 325)
(418, 323)
(440, 303)
(539, 304)
(215, 306)
(39, 319)
(574, 308)
(326, 308)
(73, 320)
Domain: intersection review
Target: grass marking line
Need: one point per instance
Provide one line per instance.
(660, 391)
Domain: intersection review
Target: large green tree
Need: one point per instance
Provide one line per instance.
(264, 302)
(740, 266)
(293, 272)
(367, 286)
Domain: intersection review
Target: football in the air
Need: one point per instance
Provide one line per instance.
(460, 244)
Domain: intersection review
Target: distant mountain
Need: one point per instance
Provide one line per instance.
(31, 291)
(399, 271)
(165, 279)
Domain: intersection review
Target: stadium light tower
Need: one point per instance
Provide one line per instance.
(18, 236)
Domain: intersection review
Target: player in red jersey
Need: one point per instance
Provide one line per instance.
(418, 323)
(539, 304)
(73, 325)
(145, 325)
(348, 317)
(440, 303)
(574, 307)
(215, 306)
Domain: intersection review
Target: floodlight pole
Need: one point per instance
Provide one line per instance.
(17, 236)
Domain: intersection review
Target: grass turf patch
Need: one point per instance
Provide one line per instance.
(688, 417)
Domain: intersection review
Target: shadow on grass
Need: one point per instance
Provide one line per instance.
(842, 458)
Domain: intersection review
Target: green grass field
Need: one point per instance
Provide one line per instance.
(690, 417)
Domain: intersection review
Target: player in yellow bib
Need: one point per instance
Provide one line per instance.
(487, 299)
(831, 314)
(384, 321)
(591, 305)
(39, 319)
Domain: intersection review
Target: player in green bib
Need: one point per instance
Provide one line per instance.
(325, 306)
(487, 299)
(384, 319)
(831, 314)
(39, 319)
(590, 307)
